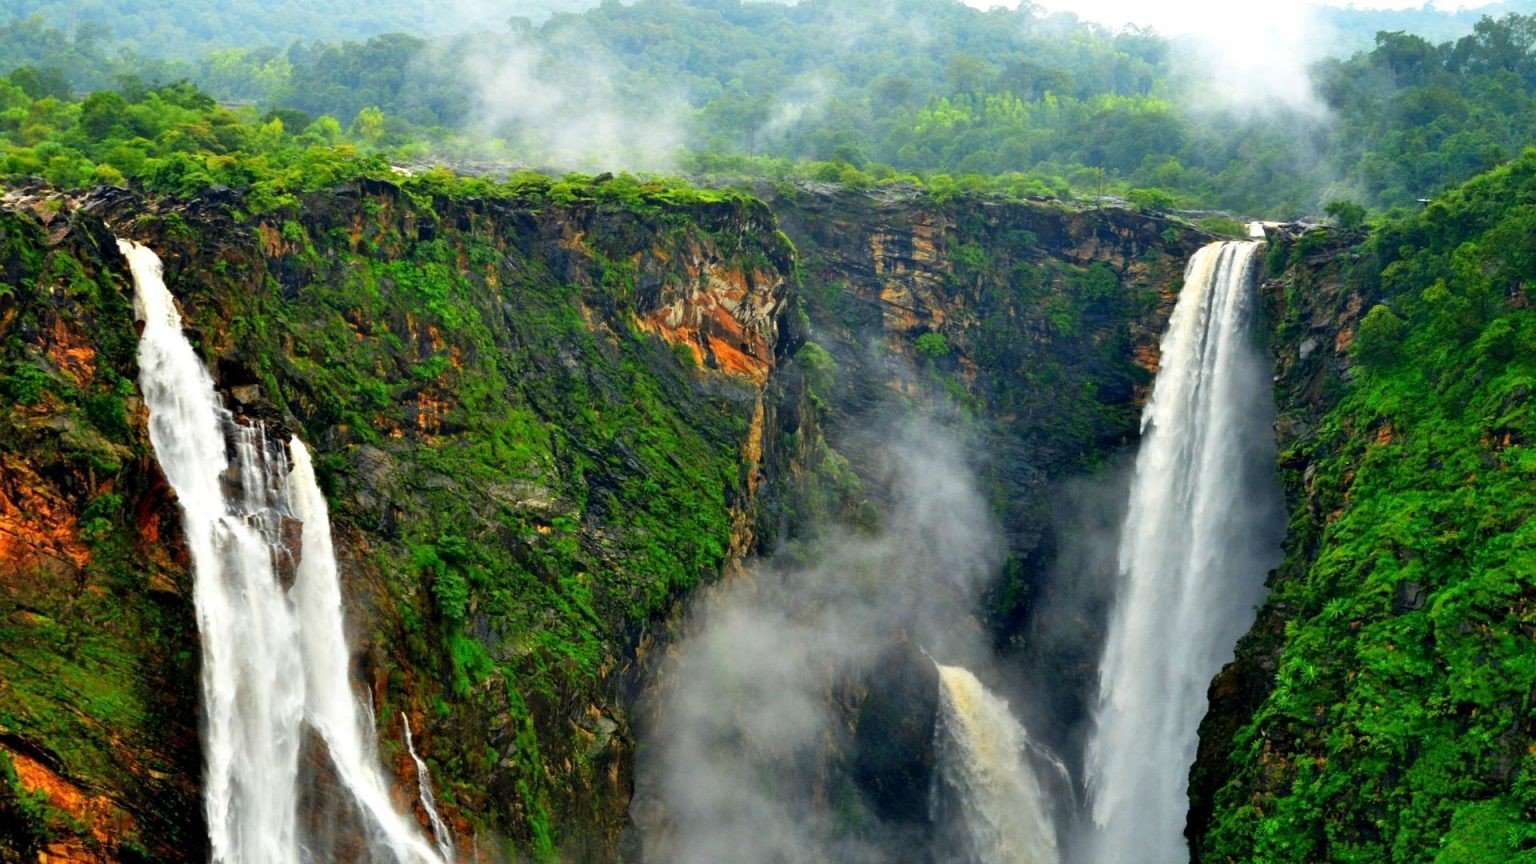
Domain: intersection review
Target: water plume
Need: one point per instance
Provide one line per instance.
(1200, 534)
(555, 98)
(747, 758)
(985, 770)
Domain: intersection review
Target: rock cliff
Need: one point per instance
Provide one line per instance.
(1379, 710)
(542, 415)
(1030, 330)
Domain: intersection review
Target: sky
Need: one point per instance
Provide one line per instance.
(1202, 17)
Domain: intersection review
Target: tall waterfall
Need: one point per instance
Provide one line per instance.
(1200, 533)
(984, 765)
(275, 659)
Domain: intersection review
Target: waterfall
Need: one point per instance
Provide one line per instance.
(984, 765)
(275, 659)
(1200, 533)
(424, 794)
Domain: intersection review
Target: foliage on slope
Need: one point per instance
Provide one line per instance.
(186, 28)
(1393, 666)
(171, 139)
(868, 91)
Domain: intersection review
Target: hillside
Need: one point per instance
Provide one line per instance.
(1018, 101)
(506, 543)
(509, 547)
(1380, 708)
(176, 29)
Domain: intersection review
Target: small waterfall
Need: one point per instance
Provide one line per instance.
(332, 709)
(274, 657)
(1200, 533)
(424, 793)
(984, 765)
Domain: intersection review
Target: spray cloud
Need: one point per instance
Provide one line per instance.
(756, 704)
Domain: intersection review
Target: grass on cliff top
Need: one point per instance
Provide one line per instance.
(174, 139)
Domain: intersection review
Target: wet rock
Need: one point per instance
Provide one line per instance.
(288, 551)
(246, 394)
(1408, 596)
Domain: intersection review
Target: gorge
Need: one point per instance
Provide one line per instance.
(558, 430)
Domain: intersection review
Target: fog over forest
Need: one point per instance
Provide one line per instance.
(1296, 108)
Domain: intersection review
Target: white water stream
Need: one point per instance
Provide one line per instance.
(983, 761)
(425, 796)
(1201, 531)
(275, 661)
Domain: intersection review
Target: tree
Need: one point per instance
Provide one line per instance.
(1346, 214)
(932, 345)
(1378, 337)
(1153, 200)
(40, 83)
(368, 127)
(102, 115)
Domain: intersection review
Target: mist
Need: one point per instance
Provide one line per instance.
(556, 99)
(805, 99)
(1258, 65)
(754, 720)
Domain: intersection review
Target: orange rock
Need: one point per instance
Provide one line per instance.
(105, 821)
(430, 412)
(37, 530)
(752, 448)
(70, 351)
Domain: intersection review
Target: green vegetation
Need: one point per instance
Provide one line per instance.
(530, 476)
(172, 139)
(1398, 726)
(190, 28)
(1346, 214)
(543, 476)
(539, 475)
(934, 92)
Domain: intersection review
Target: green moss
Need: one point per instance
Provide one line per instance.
(25, 383)
(1489, 832)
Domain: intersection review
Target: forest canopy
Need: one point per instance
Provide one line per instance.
(854, 91)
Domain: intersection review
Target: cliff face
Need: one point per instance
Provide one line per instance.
(1311, 308)
(98, 716)
(541, 416)
(1379, 710)
(1040, 322)
(538, 423)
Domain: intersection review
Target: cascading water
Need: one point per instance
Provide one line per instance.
(984, 767)
(428, 801)
(273, 659)
(1200, 534)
